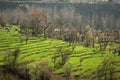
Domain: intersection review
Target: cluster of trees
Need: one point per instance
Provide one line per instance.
(107, 69)
(83, 30)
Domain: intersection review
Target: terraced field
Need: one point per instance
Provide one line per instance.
(83, 60)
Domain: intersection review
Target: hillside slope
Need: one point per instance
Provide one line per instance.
(83, 61)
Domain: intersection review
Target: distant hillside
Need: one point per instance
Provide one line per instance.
(72, 1)
(78, 7)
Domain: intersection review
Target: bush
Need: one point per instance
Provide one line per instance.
(41, 71)
(68, 71)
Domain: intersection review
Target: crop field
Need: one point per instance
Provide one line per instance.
(83, 61)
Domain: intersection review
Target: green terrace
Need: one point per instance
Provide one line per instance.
(83, 61)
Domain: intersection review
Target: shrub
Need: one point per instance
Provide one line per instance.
(41, 71)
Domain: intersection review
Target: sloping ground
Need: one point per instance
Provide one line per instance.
(83, 61)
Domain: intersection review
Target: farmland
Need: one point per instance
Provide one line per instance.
(83, 61)
(59, 41)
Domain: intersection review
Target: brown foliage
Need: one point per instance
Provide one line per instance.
(2, 21)
(38, 15)
(41, 71)
(7, 77)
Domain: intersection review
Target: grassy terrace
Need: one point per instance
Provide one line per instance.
(39, 49)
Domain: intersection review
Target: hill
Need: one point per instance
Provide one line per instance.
(83, 61)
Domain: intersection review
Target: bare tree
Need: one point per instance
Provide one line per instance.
(25, 29)
(3, 21)
(38, 22)
(61, 56)
(106, 69)
(68, 71)
(104, 39)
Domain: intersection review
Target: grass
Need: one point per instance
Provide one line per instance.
(39, 48)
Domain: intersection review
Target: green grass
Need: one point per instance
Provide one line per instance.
(39, 49)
